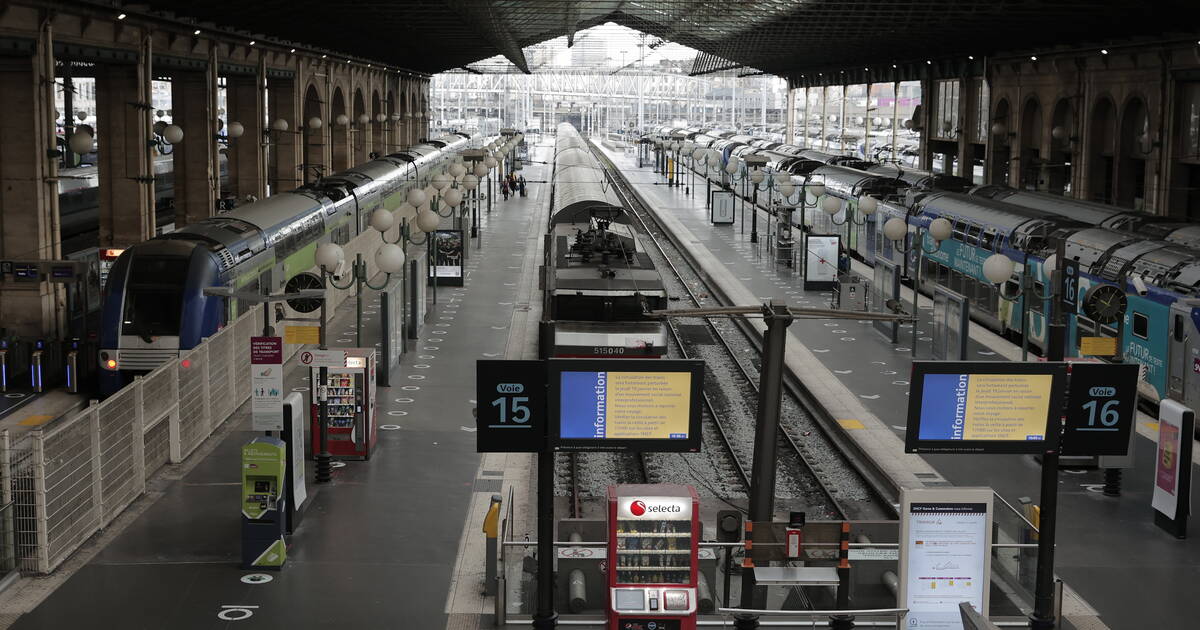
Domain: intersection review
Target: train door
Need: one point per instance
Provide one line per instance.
(1183, 355)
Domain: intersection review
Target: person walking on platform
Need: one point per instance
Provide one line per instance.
(504, 188)
(521, 185)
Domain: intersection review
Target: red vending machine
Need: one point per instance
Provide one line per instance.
(350, 408)
(654, 535)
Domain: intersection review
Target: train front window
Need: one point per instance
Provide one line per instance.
(154, 297)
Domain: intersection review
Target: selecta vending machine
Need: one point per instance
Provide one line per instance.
(350, 411)
(654, 535)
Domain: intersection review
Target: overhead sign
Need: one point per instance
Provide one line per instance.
(1069, 289)
(945, 554)
(323, 358)
(1172, 467)
(302, 334)
(984, 407)
(511, 406)
(625, 404)
(1101, 409)
(266, 383)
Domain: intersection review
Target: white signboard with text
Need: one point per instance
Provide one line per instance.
(945, 554)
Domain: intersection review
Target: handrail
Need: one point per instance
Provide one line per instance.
(816, 613)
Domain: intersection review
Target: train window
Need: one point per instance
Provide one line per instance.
(1141, 325)
(988, 240)
(1178, 328)
(973, 234)
(1011, 287)
(1085, 325)
(1108, 331)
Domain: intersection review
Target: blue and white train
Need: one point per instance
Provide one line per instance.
(154, 301)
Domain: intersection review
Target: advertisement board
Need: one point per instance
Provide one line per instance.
(447, 250)
(945, 555)
(722, 212)
(1172, 467)
(821, 261)
(984, 407)
(625, 404)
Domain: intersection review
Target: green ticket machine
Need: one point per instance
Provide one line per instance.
(264, 503)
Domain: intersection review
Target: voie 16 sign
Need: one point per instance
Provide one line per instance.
(1101, 407)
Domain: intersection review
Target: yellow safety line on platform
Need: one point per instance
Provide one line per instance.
(850, 424)
(33, 421)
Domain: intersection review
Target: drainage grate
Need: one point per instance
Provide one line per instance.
(487, 485)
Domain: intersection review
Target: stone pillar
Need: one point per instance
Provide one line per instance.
(29, 221)
(790, 116)
(283, 98)
(126, 194)
(196, 185)
(246, 157)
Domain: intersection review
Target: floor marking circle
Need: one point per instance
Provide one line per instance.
(837, 332)
(847, 338)
(299, 389)
(389, 427)
(430, 347)
(436, 339)
(343, 340)
(14, 395)
(410, 388)
(439, 332)
(417, 377)
(426, 356)
(403, 400)
(397, 413)
(899, 382)
(421, 366)
(337, 464)
(256, 578)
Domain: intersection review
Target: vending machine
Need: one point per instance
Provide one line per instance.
(654, 534)
(350, 407)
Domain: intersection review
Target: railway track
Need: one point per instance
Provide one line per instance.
(831, 480)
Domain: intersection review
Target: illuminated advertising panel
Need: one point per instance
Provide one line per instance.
(984, 407)
(625, 404)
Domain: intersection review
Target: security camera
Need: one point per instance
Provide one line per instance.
(1139, 285)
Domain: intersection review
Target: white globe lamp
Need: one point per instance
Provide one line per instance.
(363, 119)
(894, 229)
(831, 205)
(490, 162)
(382, 220)
(816, 190)
(457, 170)
(757, 176)
(941, 229)
(314, 123)
(1050, 265)
(787, 189)
(81, 142)
(389, 258)
(342, 120)
(867, 205)
(236, 129)
(173, 134)
(440, 181)
(279, 124)
(998, 268)
(416, 197)
(453, 197)
(427, 220)
(330, 256)
(481, 169)
(470, 182)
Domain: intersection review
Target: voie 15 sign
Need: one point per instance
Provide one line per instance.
(510, 406)
(984, 407)
(625, 404)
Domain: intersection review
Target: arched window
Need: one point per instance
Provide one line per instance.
(1135, 147)
(1031, 145)
(1101, 145)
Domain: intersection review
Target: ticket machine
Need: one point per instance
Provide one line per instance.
(264, 519)
(653, 535)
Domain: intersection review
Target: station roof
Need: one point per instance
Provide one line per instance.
(788, 38)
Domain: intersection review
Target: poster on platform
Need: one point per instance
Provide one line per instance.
(266, 383)
(1172, 469)
(945, 555)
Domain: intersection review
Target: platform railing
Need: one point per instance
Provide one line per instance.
(70, 478)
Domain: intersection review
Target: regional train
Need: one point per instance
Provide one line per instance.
(154, 300)
(1144, 269)
(599, 284)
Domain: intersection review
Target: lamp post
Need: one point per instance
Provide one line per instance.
(783, 184)
(895, 230)
(998, 268)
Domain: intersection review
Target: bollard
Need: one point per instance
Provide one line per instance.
(35, 368)
(73, 368)
(576, 591)
(705, 602)
(491, 531)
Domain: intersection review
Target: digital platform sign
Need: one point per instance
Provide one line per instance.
(625, 404)
(984, 407)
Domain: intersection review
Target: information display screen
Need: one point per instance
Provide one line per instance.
(984, 407)
(625, 404)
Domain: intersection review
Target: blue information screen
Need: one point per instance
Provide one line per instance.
(625, 405)
(985, 407)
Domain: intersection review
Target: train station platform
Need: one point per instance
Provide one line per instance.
(377, 547)
(1127, 572)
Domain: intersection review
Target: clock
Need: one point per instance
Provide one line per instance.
(1105, 303)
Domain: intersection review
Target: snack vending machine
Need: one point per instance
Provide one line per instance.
(350, 412)
(654, 534)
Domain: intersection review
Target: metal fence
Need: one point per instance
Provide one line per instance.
(71, 479)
